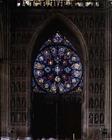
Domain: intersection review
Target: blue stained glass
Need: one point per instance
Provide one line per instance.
(57, 38)
(40, 58)
(67, 69)
(77, 73)
(47, 69)
(53, 50)
(61, 88)
(46, 85)
(33, 83)
(74, 80)
(53, 87)
(57, 68)
(57, 79)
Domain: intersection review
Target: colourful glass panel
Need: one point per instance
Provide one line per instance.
(57, 67)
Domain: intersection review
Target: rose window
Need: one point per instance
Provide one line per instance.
(57, 67)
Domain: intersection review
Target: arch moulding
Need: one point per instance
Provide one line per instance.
(74, 31)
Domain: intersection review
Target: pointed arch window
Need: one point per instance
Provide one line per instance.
(57, 67)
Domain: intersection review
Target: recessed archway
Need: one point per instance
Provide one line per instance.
(57, 75)
(63, 25)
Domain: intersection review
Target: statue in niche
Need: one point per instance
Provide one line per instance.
(12, 70)
(23, 102)
(101, 103)
(13, 117)
(91, 103)
(96, 88)
(23, 86)
(97, 73)
(18, 86)
(18, 114)
(96, 103)
(102, 88)
(101, 118)
(96, 118)
(18, 102)
(90, 118)
(102, 73)
(91, 88)
(23, 116)
(91, 73)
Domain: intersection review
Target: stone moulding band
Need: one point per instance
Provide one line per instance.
(57, 3)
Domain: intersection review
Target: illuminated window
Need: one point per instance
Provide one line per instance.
(57, 67)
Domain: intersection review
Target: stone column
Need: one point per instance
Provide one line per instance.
(4, 68)
(108, 75)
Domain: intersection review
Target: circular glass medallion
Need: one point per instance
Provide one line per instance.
(57, 68)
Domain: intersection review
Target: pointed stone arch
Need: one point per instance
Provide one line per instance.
(58, 22)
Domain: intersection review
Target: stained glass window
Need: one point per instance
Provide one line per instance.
(57, 67)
